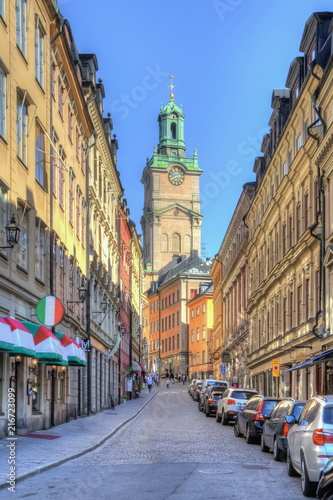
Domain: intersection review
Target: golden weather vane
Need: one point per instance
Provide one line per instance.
(171, 87)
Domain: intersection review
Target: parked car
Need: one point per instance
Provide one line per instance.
(204, 393)
(196, 390)
(190, 387)
(275, 428)
(210, 381)
(231, 403)
(310, 442)
(325, 486)
(251, 418)
(214, 394)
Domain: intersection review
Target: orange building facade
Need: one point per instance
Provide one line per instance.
(200, 334)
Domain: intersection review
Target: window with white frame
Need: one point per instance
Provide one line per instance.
(61, 177)
(298, 142)
(54, 163)
(22, 252)
(21, 26)
(198, 358)
(40, 251)
(78, 211)
(3, 101)
(192, 336)
(203, 331)
(198, 333)
(71, 197)
(39, 51)
(22, 127)
(3, 217)
(40, 155)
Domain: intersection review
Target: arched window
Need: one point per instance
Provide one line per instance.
(164, 243)
(173, 131)
(187, 243)
(175, 243)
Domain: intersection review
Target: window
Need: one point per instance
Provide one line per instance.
(173, 342)
(198, 333)
(39, 51)
(71, 198)
(299, 305)
(22, 128)
(40, 251)
(203, 308)
(2, 8)
(178, 318)
(198, 310)
(298, 221)
(83, 221)
(3, 217)
(21, 25)
(284, 168)
(22, 253)
(203, 357)
(298, 142)
(61, 177)
(39, 156)
(192, 336)
(177, 340)
(175, 243)
(61, 94)
(192, 313)
(3, 101)
(203, 331)
(164, 242)
(198, 358)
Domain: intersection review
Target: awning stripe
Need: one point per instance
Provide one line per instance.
(47, 345)
(23, 340)
(6, 337)
(321, 358)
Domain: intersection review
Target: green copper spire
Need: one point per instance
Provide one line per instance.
(171, 127)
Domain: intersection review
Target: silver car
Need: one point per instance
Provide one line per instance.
(310, 442)
(231, 403)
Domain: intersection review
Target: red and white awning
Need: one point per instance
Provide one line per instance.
(23, 340)
(75, 353)
(6, 337)
(48, 348)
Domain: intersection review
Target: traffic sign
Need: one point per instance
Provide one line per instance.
(223, 369)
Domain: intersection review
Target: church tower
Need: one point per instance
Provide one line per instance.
(171, 221)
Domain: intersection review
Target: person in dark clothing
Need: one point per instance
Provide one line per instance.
(172, 377)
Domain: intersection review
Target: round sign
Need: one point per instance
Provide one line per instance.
(50, 311)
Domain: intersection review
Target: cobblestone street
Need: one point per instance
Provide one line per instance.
(170, 451)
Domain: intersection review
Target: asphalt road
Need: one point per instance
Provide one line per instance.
(170, 451)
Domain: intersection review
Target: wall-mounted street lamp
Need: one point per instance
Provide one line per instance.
(82, 294)
(12, 233)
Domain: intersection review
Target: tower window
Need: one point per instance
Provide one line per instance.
(175, 243)
(173, 131)
(164, 243)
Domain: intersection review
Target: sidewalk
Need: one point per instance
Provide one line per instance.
(33, 455)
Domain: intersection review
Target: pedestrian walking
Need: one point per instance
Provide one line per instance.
(172, 377)
(150, 383)
(167, 383)
(179, 377)
(184, 379)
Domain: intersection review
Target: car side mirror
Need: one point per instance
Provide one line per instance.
(290, 419)
(267, 417)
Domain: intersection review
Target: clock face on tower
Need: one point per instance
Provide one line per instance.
(176, 176)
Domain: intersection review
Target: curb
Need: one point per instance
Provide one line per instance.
(80, 453)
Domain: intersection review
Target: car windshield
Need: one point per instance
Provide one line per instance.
(268, 406)
(328, 415)
(242, 395)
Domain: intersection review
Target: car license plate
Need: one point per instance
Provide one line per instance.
(239, 407)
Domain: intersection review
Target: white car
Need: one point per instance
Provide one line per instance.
(310, 442)
(232, 402)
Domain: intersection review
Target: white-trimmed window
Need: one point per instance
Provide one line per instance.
(3, 217)
(22, 252)
(54, 163)
(298, 142)
(40, 155)
(203, 332)
(39, 51)
(22, 127)
(198, 333)
(83, 221)
(21, 26)
(78, 211)
(3, 101)
(71, 197)
(40, 251)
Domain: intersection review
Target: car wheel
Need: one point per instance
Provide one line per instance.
(217, 417)
(225, 420)
(248, 438)
(263, 447)
(237, 432)
(309, 488)
(277, 453)
(207, 412)
(199, 406)
(291, 471)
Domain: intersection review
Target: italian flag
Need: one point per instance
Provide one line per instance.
(50, 311)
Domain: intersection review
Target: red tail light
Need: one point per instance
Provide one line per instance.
(231, 402)
(320, 437)
(211, 400)
(258, 416)
(285, 429)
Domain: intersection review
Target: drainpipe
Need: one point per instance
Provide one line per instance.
(320, 214)
(89, 357)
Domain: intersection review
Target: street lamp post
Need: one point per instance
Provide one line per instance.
(12, 234)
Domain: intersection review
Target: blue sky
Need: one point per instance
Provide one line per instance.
(226, 56)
